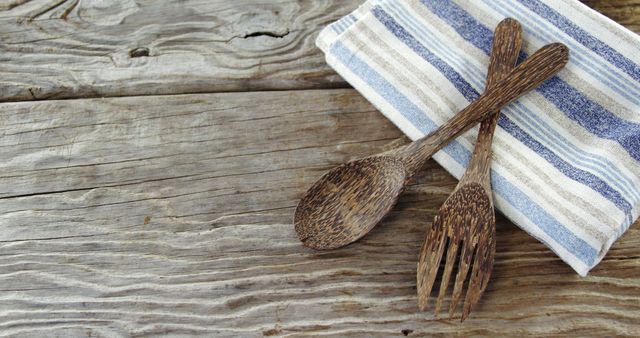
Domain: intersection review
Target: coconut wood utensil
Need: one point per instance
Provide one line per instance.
(349, 200)
(466, 220)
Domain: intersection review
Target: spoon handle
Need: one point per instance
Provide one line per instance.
(507, 41)
(539, 67)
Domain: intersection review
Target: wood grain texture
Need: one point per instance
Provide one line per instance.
(93, 48)
(171, 215)
(624, 12)
(144, 216)
(53, 49)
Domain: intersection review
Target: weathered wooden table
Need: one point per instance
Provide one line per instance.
(153, 163)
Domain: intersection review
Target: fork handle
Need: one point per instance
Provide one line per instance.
(507, 41)
(539, 67)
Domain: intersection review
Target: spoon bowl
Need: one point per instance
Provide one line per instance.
(348, 201)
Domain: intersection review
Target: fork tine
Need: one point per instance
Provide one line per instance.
(463, 269)
(482, 266)
(429, 262)
(452, 250)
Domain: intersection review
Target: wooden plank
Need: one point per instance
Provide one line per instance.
(143, 216)
(71, 48)
(624, 12)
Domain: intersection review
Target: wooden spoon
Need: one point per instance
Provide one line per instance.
(467, 219)
(349, 200)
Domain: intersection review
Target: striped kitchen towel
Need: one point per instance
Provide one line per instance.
(566, 156)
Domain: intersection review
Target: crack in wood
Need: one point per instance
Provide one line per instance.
(139, 52)
(46, 9)
(267, 33)
(12, 4)
(54, 238)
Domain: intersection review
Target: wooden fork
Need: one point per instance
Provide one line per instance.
(467, 219)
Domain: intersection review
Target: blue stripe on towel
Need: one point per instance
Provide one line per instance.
(536, 126)
(577, 106)
(343, 24)
(458, 80)
(547, 223)
(586, 39)
(338, 26)
(581, 176)
(584, 177)
(600, 70)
